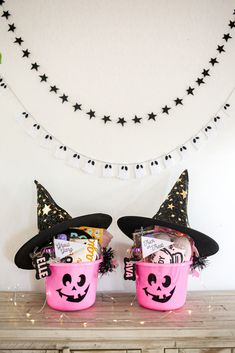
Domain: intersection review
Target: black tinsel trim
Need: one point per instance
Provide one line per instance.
(199, 263)
(106, 265)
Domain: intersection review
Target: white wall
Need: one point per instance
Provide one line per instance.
(118, 57)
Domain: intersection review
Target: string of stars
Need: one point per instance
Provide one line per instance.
(121, 121)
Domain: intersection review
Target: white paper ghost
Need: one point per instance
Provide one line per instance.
(3, 86)
(47, 141)
(89, 166)
(22, 117)
(140, 170)
(217, 120)
(61, 152)
(198, 140)
(124, 172)
(74, 160)
(183, 151)
(168, 160)
(209, 129)
(108, 170)
(155, 167)
(34, 130)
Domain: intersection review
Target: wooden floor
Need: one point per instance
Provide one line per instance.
(209, 315)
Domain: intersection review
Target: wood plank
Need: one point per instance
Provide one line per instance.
(28, 351)
(100, 351)
(206, 350)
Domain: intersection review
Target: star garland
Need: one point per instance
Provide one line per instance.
(107, 119)
(120, 170)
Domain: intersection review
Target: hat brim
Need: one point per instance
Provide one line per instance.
(205, 245)
(96, 220)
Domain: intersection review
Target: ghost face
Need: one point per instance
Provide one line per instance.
(161, 286)
(72, 286)
(160, 289)
(73, 289)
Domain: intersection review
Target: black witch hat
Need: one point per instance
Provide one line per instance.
(52, 220)
(172, 214)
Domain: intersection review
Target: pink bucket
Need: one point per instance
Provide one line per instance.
(161, 286)
(72, 286)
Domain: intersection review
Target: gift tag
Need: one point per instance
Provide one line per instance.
(129, 269)
(64, 248)
(152, 245)
(41, 266)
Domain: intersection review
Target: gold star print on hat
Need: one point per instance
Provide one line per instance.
(49, 213)
(174, 208)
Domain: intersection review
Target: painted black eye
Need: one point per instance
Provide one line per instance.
(152, 278)
(82, 280)
(66, 278)
(167, 281)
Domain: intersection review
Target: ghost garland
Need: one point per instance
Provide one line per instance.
(77, 106)
(121, 170)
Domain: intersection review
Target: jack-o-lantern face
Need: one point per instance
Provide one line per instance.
(72, 288)
(162, 288)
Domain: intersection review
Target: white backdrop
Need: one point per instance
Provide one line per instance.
(120, 58)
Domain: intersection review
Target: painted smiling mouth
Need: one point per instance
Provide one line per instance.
(71, 298)
(157, 298)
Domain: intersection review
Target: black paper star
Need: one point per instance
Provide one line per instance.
(91, 114)
(54, 89)
(227, 36)
(220, 48)
(106, 118)
(6, 14)
(77, 107)
(137, 120)
(165, 109)
(190, 91)
(213, 61)
(200, 81)
(178, 101)
(2, 2)
(231, 24)
(12, 27)
(35, 66)
(18, 40)
(205, 72)
(121, 121)
(43, 78)
(26, 53)
(152, 116)
(64, 98)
